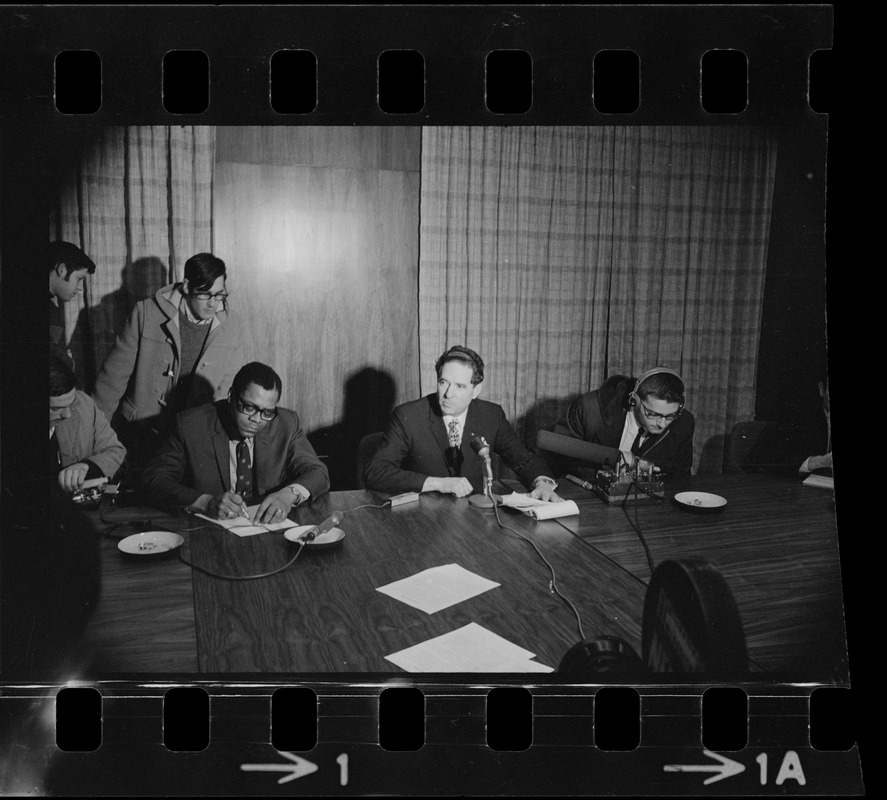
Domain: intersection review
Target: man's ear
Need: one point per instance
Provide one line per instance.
(185, 286)
(60, 269)
(476, 391)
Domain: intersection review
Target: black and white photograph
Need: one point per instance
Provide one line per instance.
(527, 399)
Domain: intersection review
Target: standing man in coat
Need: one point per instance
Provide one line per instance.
(178, 349)
(644, 417)
(237, 452)
(427, 447)
(68, 268)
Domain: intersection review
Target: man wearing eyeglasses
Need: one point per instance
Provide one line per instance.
(217, 459)
(644, 417)
(178, 349)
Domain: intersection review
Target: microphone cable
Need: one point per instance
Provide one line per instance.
(636, 525)
(552, 584)
(300, 542)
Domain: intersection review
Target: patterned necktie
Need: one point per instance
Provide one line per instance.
(454, 454)
(244, 486)
(455, 436)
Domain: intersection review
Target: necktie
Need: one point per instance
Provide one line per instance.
(455, 436)
(453, 454)
(244, 486)
(636, 447)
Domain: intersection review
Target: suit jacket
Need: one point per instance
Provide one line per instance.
(599, 417)
(415, 443)
(140, 374)
(194, 458)
(86, 437)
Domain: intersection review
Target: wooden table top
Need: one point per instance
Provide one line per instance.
(775, 543)
(323, 613)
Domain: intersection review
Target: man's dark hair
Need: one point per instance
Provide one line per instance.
(61, 377)
(663, 386)
(203, 270)
(70, 255)
(464, 356)
(257, 373)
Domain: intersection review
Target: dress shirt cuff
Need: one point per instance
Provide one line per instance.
(300, 493)
(545, 479)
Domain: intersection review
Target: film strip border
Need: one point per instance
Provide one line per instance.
(168, 739)
(391, 65)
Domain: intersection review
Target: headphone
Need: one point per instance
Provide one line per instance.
(634, 397)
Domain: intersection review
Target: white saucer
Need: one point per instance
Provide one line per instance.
(331, 537)
(700, 501)
(150, 543)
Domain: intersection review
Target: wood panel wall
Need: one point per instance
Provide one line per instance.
(319, 229)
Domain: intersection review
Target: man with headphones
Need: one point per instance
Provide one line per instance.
(644, 417)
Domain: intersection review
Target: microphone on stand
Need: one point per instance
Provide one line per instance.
(487, 499)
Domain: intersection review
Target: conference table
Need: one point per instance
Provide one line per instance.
(775, 543)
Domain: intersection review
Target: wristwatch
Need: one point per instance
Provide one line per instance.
(545, 479)
(297, 495)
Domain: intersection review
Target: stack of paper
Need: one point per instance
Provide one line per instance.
(471, 648)
(540, 509)
(822, 481)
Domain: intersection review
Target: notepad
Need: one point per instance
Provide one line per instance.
(540, 509)
(821, 481)
(243, 527)
(438, 587)
(471, 648)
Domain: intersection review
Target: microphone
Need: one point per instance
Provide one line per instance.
(324, 527)
(482, 448)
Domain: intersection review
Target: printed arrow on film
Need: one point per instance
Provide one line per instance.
(727, 768)
(298, 769)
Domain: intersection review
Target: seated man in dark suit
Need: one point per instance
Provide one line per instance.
(220, 457)
(82, 445)
(427, 445)
(643, 417)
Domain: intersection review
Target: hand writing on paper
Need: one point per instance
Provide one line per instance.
(226, 506)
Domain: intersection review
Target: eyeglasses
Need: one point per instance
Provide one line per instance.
(652, 415)
(250, 410)
(220, 297)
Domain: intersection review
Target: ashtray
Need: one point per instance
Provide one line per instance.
(331, 537)
(700, 501)
(151, 543)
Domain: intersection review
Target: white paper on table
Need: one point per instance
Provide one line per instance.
(471, 648)
(517, 500)
(566, 508)
(243, 527)
(438, 587)
(821, 481)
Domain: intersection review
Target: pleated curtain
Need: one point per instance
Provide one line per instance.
(565, 255)
(139, 203)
